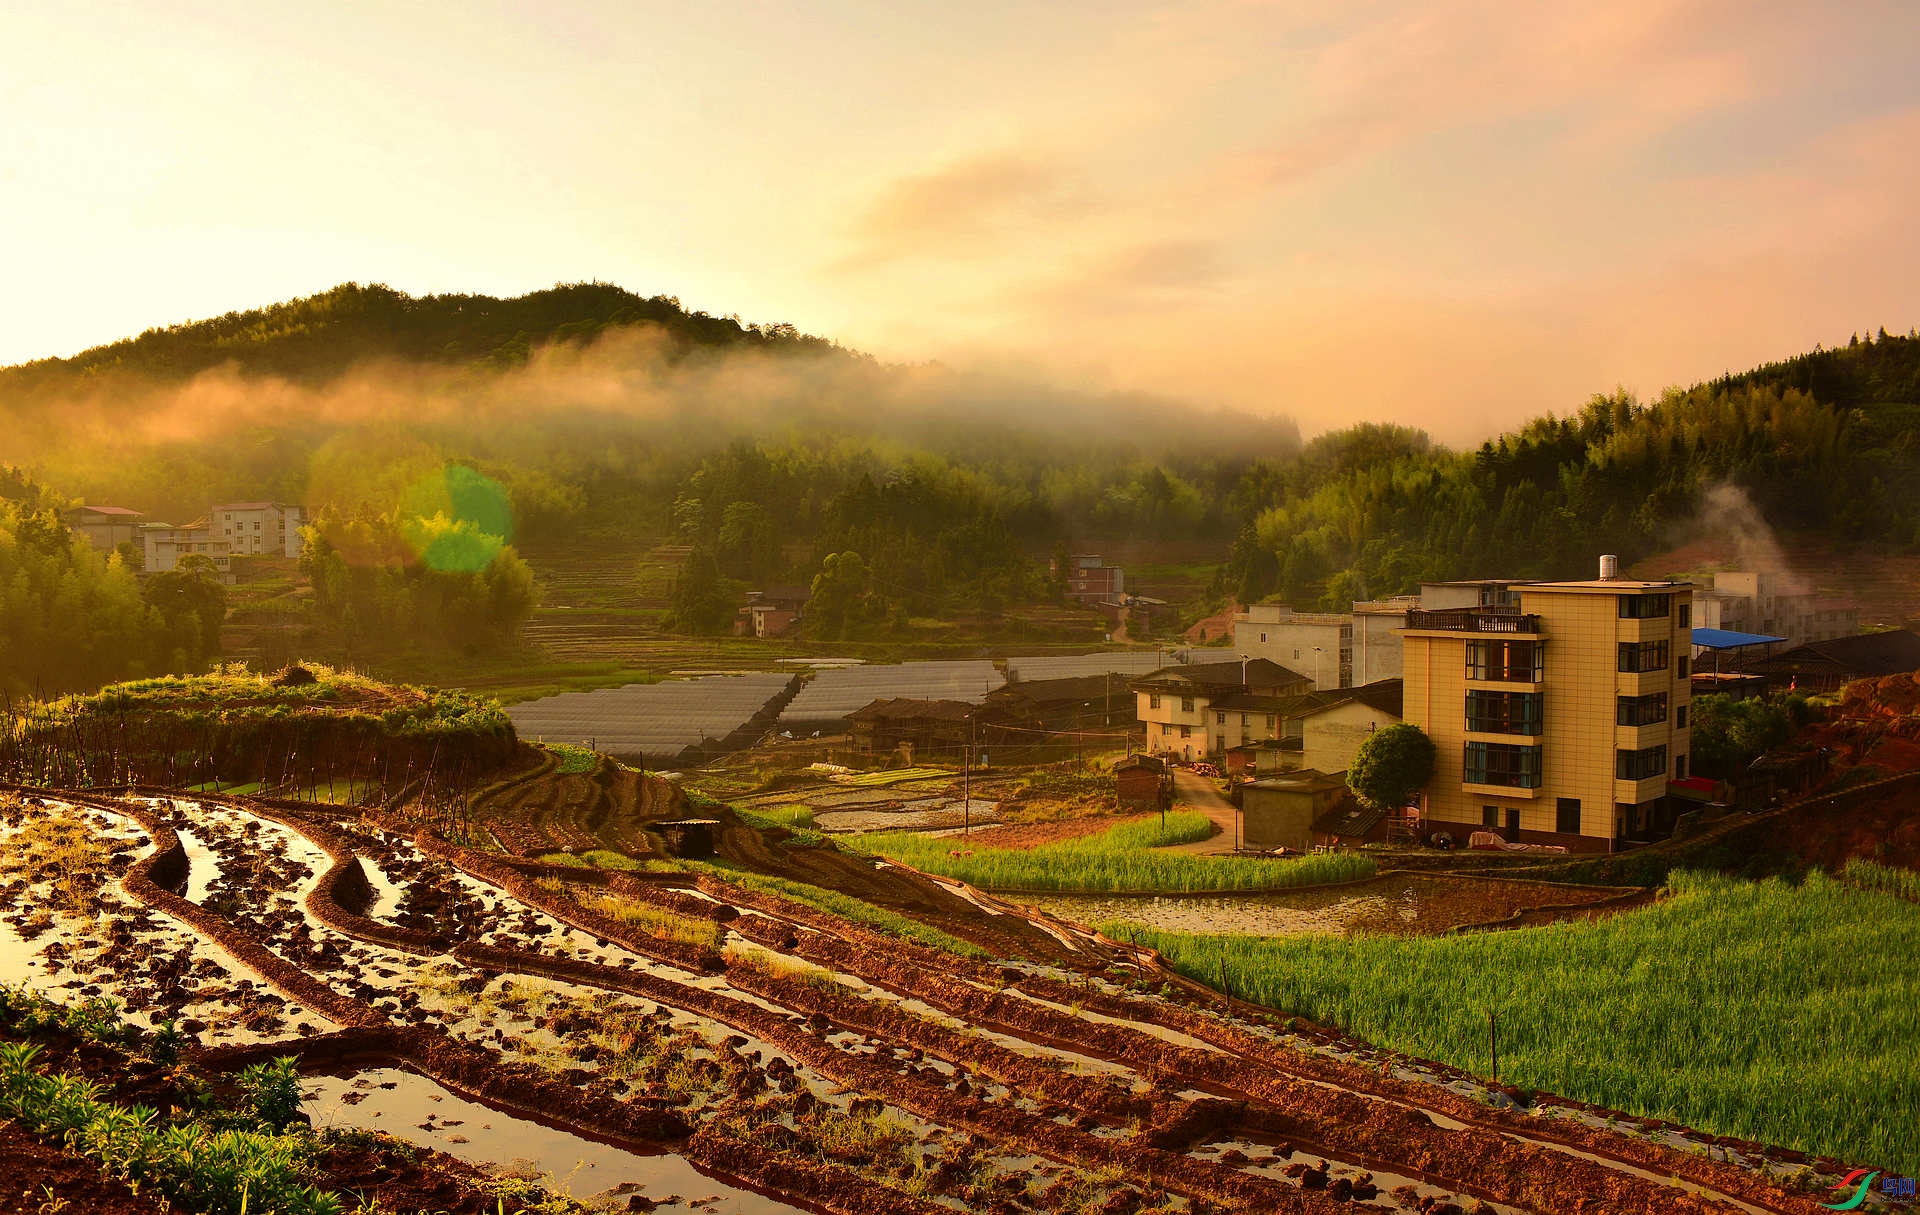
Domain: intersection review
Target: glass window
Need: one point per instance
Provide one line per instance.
(1219, 719)
(1153, 700)
(1506, 661)
(1516, 767)
(1490, 816)
(1186, 704)
(1686, 616)
(1641, 765)
(1680, 717)
(1643, 656)
(1566, 815)
(1186, 731)
(1503, 712)
(1679, 767)
(1643, 607)
(1681, 665)
(1641, 710)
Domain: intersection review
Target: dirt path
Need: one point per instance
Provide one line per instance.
(1193, 792)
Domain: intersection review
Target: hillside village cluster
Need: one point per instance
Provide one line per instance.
(1558, 710)
(226, 531)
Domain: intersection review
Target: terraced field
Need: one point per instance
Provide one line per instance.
(725, 1047)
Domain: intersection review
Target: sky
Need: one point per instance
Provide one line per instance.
(1454, 214)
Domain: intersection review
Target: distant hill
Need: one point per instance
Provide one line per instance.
(314, 339)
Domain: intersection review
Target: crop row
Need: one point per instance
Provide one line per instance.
(1753, 1009)
(1126, 858)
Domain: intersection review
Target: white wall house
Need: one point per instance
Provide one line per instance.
(269, 528)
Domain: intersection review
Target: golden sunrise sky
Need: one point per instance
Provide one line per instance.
(1454, 215)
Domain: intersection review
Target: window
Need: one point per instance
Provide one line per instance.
(1153, 700)
(1186, 704)
(1503, 764)
(1641, 710)
(1643, 607)
(1506, 661)
(1219, 719)
(1681, 666)
(1503, 712)
(1679, 767)
(1566, 815)
(1245, 719)
(1186, 731)
(1685, 619)
(1296, 653)
(1490, 816)
(1269, 721)
(1263, 636)
(1680, 717)
(1641, 765)
(1643, 656)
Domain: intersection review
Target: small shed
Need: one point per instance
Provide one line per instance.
(1138, 781)
(1280, 811)
(691, 838)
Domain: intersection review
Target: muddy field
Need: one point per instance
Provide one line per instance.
(1399, 904)
(678, 1041)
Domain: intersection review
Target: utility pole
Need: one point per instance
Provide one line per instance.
(966, 777)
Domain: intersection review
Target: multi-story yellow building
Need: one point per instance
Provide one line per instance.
(1558, 719)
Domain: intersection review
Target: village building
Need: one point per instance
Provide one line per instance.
(772, 612)
(925, 729)
(163, 545)
(1090, 579)
(1826, 666)
(1200, 710)
(1141, 782)
(1280, 811)
(1340, 649)
(1073, 703)
(1746, 602)
(105, 527)
(257, 528)
(1558, 709)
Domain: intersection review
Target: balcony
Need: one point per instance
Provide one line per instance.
(1473, 620)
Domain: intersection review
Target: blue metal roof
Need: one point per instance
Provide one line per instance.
(1727, 639)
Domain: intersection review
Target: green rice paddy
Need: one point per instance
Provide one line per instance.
(1125, 858)
(1781, 1013)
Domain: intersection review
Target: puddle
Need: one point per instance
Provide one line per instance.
(414, 1108)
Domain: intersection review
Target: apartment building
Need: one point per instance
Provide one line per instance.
(1192, 712)
(1559, 709)
(1320, 643)
(271, 528)
(1746, 602)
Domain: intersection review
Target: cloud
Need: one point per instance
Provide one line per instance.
(960, 209)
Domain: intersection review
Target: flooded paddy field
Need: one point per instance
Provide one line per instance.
(683, 1041)
(1401, 904)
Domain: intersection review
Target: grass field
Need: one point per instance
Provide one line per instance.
(1121, 858)
(1787, 1014)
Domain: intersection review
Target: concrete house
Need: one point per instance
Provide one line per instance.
(1200, 710)
(163, 545)
(258, 528)
(1090, 579)
(105, 527)
(1280, 811)
(1559, 709)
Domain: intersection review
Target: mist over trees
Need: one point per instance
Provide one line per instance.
(72, 617)
(588, 416)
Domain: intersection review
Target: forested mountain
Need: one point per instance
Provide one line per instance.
(1373, 510)
(589, 415)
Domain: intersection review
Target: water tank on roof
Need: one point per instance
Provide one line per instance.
(1609, 567)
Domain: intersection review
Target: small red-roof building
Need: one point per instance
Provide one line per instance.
(105, 527)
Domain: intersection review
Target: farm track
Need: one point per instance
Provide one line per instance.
(1053, 1059)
